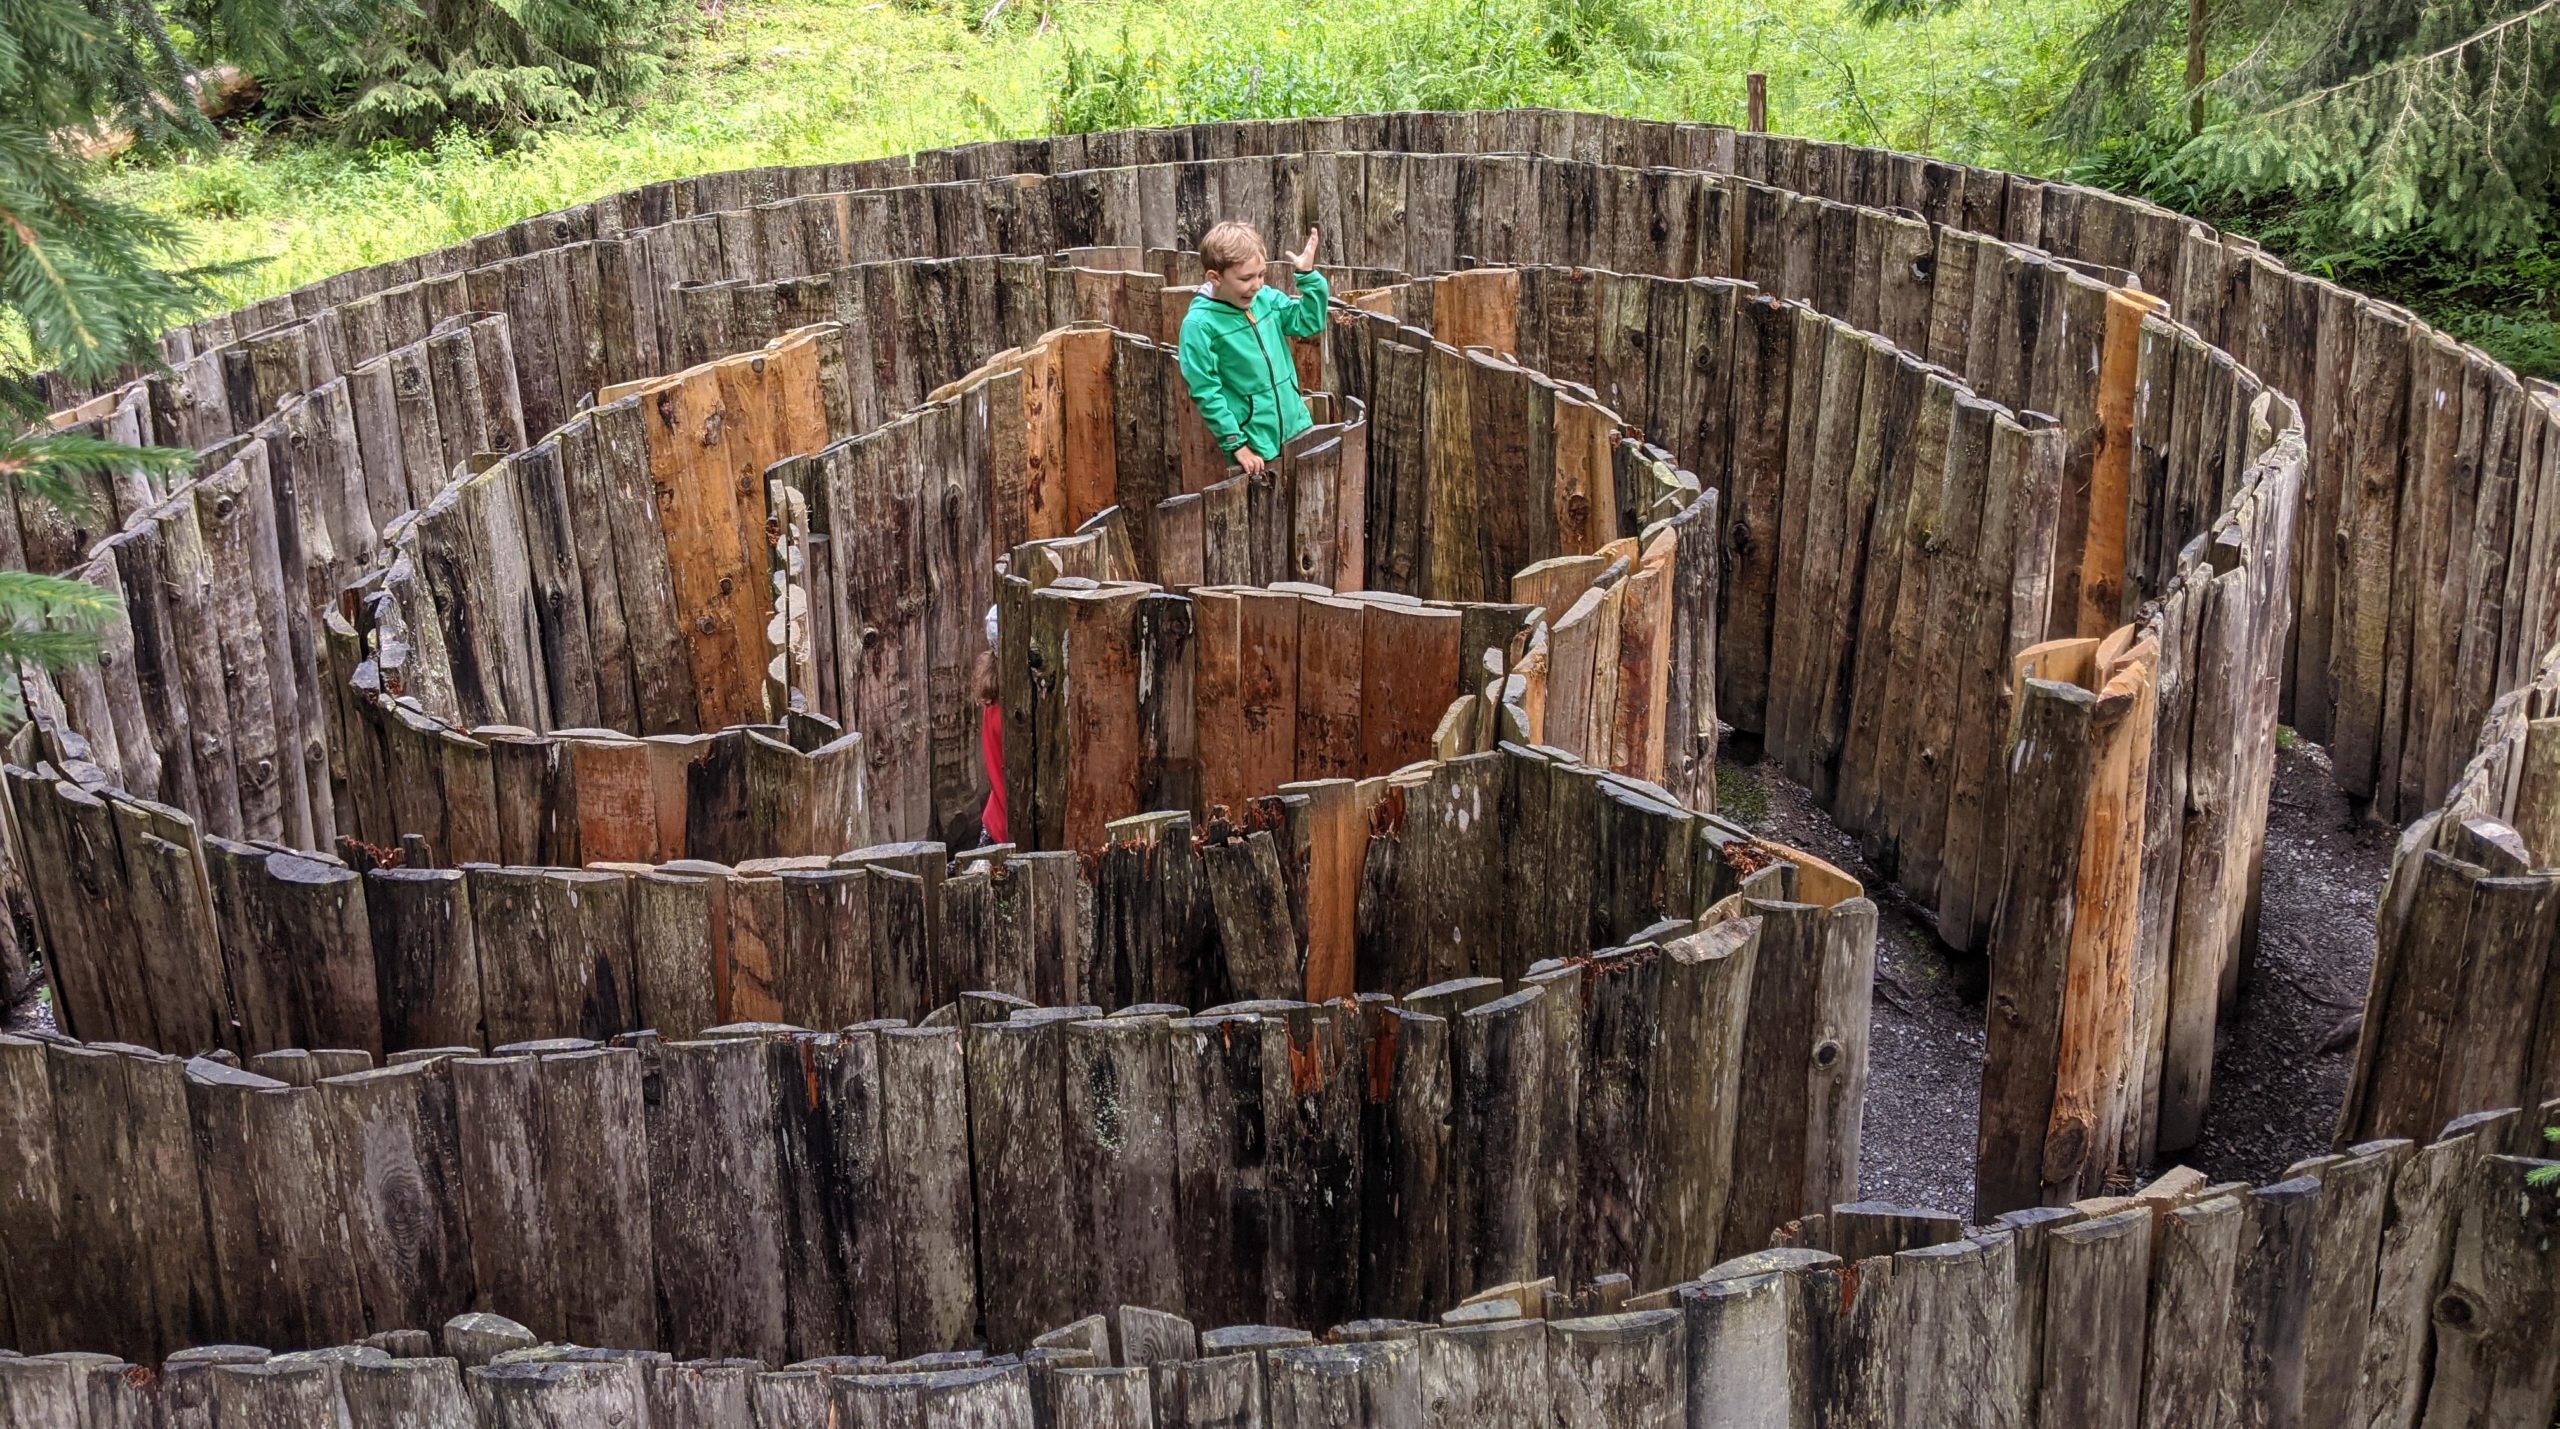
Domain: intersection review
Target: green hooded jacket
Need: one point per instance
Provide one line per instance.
(1238, 369)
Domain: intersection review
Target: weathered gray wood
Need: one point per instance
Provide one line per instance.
(1953, 1360)
(401, 1168)
(426, 966)
(1375, 1384)
(1030, 1214)
(1495, 1375)
(2497, 1324)
(2194, 1261)
(186, 1387)
(2345, 1255)
(541, 1394)
(708, 1393)
(2097, 1279)
(276, 1394)
(2271, 1304)
(1119, 1135)
(1500, 1058)
(1149, 1337)
(2051, 763)
(405, 1394)
(924, 1100)
(1101, 1398)
(715, 1200)
(478, 1337)
(2424, 1211)
(1744, 1337)
(1626, 1369)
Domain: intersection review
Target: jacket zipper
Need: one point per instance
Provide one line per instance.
(1270, 373)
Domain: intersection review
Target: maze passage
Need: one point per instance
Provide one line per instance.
(517, 876)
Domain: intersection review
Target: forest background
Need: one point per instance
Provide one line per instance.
(2409, 180)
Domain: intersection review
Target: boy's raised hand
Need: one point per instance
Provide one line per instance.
(1305, 258)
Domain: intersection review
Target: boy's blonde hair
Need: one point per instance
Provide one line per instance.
(1232, 245)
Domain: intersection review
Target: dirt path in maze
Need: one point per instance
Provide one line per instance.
(2285, 1053)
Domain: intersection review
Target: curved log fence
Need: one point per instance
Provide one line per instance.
(2306, 1301)
(2009, 516)
(781, 1193)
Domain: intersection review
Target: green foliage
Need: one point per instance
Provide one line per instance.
(87, 281)
(497, 68)
(2405, 117)
(2546, 1175)
(797, 81)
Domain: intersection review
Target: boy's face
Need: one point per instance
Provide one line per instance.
(1238, 284)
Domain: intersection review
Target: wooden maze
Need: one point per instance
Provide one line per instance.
(516, 878)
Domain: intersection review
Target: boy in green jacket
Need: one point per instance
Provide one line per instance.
(1235, 350)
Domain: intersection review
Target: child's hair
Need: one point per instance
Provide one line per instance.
(1231, 245)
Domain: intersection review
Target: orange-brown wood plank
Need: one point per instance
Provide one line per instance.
(1329, 649)
(1102, 711)
(1092, 461)
(1408, 676)
(1218, 715)
(1267, 689)
(716, 595)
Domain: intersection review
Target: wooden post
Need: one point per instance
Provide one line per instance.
(924, 1101)
(1501, 1060)
(2051, 770)
(2195, 1257)
(1494, 1375)
(715, 1199)
(401, 1184)
(402, 1393)
(1756, 102)
(536, 1394)
(1029, 1210)
(2097, 1278)
(1626, 1369)
(1745, 1362)
(1375, 1384)
(2271, 1302)
(2497, 1341)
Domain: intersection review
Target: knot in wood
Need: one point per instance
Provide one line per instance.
(2454, 1310)
(1826, 1052)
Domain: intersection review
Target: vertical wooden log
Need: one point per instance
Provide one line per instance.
(2195, 1259)
(1496, 1374)
(1619, 1369)
(1500, 1060)
(2097, 1275)
(395, 1145)
(924, 1094)
(2498, 1335)
(2031, 941)
(1120, 1148)
(1029, 1212)
(425, 962)
(715, 1200)
(2271, 1303)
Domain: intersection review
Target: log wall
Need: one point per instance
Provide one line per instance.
(2396, 693)
(2304, 1301)
(1863, 699)
(777, 1193)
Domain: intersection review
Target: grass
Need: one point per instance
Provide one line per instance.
(787, 81)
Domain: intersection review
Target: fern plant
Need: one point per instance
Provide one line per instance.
(2546, 1175)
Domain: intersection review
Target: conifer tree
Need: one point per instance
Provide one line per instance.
(2374, 116)
(87, 284)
